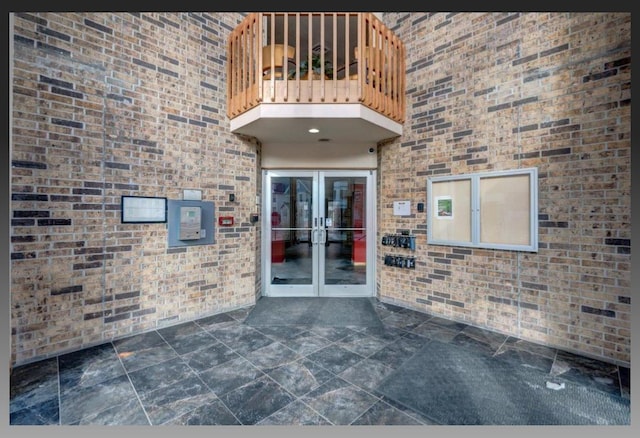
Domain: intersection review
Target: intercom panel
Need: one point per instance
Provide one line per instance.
(190, 223)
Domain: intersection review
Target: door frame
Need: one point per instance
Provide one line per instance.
(317, 289)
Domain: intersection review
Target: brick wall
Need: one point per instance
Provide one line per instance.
(498, 91)
(111, 104)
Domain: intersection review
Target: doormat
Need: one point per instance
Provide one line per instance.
(454, 386)
(313, 311)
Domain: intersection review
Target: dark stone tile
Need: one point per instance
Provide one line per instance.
(219, 320)
(39, 414)
(366, 374)
(206, 358)
(214, 413)
(383, 414)
(491, 340)
(283, 333)
(588, 372)
(379, 305)
(230, 375)
(332, 333)
(530, 347)
(256, 400)
(339, 401)
(473, 343)
(88, 367)
(241, 338)
(301, 376)
(306, 343)
(33, 384)
(129, 413)
(362, 344)
(87, 401)
(240, 314)
(410, 412)
(524, 358)
(396, 353)
(403, 321)
(272, 356)
(187, 337)
(144, 358)
(141, 351)
(170, 402)
(159, 376)
(142, 341)
(295, 414)
(453, 325)
(178, 331)
(385, 333)
(435, 331)
(382, 311)
(335, 358)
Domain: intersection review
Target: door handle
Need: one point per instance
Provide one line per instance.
(325, 237)
(314, 236)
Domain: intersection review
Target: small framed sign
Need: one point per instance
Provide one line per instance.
(143, 209)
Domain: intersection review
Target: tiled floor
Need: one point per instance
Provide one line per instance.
(219, 371)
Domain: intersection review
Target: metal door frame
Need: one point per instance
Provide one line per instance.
(318, 288)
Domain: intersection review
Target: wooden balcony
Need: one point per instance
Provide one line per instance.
(357, 68)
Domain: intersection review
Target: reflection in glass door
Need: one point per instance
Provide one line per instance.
(317, 226)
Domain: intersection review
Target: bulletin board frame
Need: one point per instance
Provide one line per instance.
(143, 209)
(497, 210)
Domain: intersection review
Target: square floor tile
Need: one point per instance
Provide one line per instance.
(88, 367)
(335, 358)
(295, 414)
(214, 413)
(159, 376)
(33, 384)
(301, 376)
(230, 375)
(206, 358)
(383, 414)
(256, 400)
(172, 401)
(187, 337)
(88, 401)
(272, 356)
(339, 402)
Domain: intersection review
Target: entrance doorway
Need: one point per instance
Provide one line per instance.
(319, 233)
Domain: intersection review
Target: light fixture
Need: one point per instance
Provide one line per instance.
(314, 130)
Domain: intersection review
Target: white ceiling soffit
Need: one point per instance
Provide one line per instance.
(339, 123)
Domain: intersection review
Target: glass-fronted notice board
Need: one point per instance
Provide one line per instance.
(486, 210)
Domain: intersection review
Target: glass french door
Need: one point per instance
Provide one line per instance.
(319, 227)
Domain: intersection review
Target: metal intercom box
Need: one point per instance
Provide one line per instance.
(190, 222)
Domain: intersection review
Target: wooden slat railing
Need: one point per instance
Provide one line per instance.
(360, 60)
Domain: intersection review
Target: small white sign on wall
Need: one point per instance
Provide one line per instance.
(401, 208)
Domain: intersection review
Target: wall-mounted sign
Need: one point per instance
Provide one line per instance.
(143, 209)
(401, 208)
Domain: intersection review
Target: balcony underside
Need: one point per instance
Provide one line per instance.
(343, 123)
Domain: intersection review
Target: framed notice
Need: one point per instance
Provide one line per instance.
(143, 209)
(444, 207)
(497, 210)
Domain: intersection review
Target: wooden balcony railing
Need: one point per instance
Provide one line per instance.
(356, 59)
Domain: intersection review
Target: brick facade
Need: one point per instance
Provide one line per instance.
(499, 91)
(111, 104)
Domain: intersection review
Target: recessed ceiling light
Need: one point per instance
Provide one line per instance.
(314, 130)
